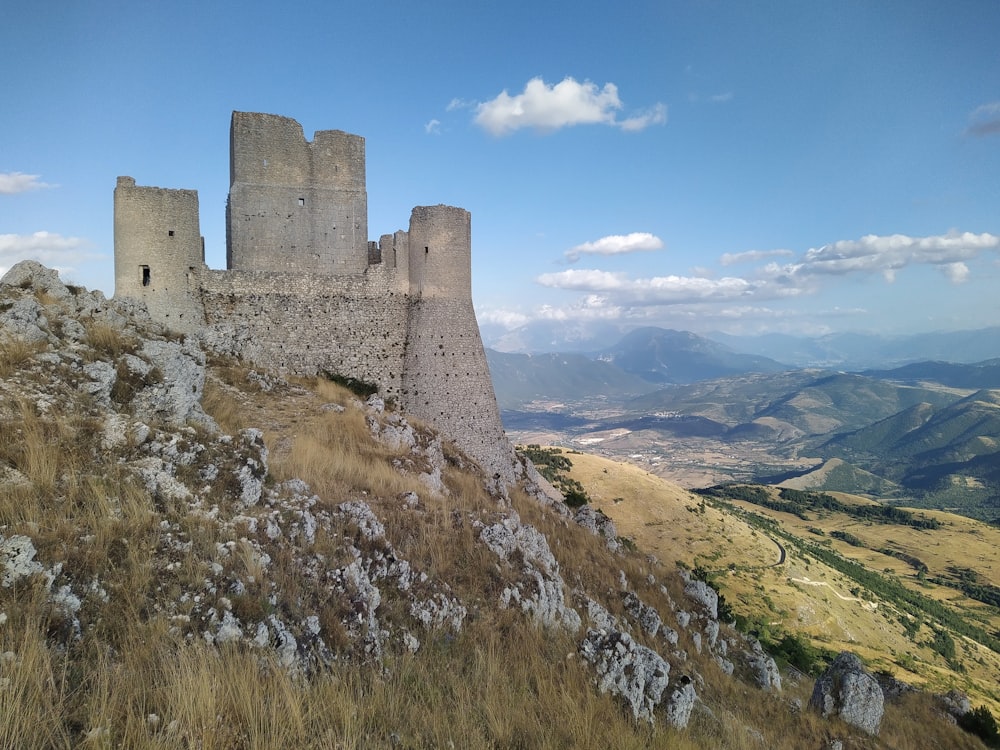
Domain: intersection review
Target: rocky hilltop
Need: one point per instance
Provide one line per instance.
(195, 553)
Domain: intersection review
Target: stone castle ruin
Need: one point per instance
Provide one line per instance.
(306, 292)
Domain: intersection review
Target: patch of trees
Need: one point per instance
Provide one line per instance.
(970, 583)
(980, 722)
(797, 502)
(553, 464)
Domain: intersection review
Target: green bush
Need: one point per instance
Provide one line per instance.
(980, 722)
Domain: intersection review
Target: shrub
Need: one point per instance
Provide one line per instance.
(980, 722)
(358, 387)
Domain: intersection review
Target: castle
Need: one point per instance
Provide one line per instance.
(306, 292)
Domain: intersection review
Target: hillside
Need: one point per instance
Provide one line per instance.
(800, 569)
(195, 553)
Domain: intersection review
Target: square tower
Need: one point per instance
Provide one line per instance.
(295, 205)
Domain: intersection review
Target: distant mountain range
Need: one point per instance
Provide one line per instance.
(928, 431)
(643, 360)
(842, 351)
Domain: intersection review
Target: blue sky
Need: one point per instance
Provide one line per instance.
(748, 167)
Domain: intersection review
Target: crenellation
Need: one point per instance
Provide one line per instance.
(306, 292)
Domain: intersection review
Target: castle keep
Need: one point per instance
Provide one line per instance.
(305, 291)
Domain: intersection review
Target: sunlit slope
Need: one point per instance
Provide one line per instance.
(805, 595)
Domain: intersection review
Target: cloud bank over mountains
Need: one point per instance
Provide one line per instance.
(638, 299)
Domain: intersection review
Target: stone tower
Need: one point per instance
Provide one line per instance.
(295, 205)
(446, 379)
(159, 252)
(306, 292)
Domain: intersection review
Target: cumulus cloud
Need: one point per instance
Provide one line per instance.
(18, 182)
(509, 319)
(985, 120)
(548, 107)
(888, 254)
(51, 249)
(656, 290)
(433, 127)
(956, 273)
(616, 244)
(752, 256)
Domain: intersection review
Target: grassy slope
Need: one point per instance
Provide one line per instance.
(666, 520)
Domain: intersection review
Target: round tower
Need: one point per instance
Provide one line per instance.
(159, 252)
(440, 247)
(446, 379)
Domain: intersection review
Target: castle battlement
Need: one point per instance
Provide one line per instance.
(306, 292)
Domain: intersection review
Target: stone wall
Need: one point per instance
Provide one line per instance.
(307, 324)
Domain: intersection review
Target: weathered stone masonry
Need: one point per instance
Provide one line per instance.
(306, 292)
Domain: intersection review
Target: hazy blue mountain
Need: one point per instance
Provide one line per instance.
(522, 378)
(978, 375)
(546, 336)
(861, 351)
(660, 355)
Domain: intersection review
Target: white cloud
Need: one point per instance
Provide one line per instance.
(53, 250)
(616, 244)
(509, 319)
(656, 290)
(752, 256)
(550, 107)
(457, 103)
(956, 273)
(888, 254)
(655, 116)
(985, 120)
(18, 182)
(433, 127)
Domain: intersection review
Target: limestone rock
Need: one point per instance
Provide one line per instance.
(680, 703)
(848, 691)
(176, 398)
(762, 667)
(597, 523)
(647, 617)
(705, 595)
(633, 672)
(17, 558)
(547, 600)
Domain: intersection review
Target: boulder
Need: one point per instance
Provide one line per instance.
(680, 703)
(647, 617)
(633, 672)
(598, 523)
(847, 690)
(762, 667)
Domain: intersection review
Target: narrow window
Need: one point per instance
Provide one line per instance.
(302, 201)
(426, 250)
(145, 275)
(170, 232)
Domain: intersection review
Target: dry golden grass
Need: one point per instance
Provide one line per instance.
(109, 341)
(15, 352)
